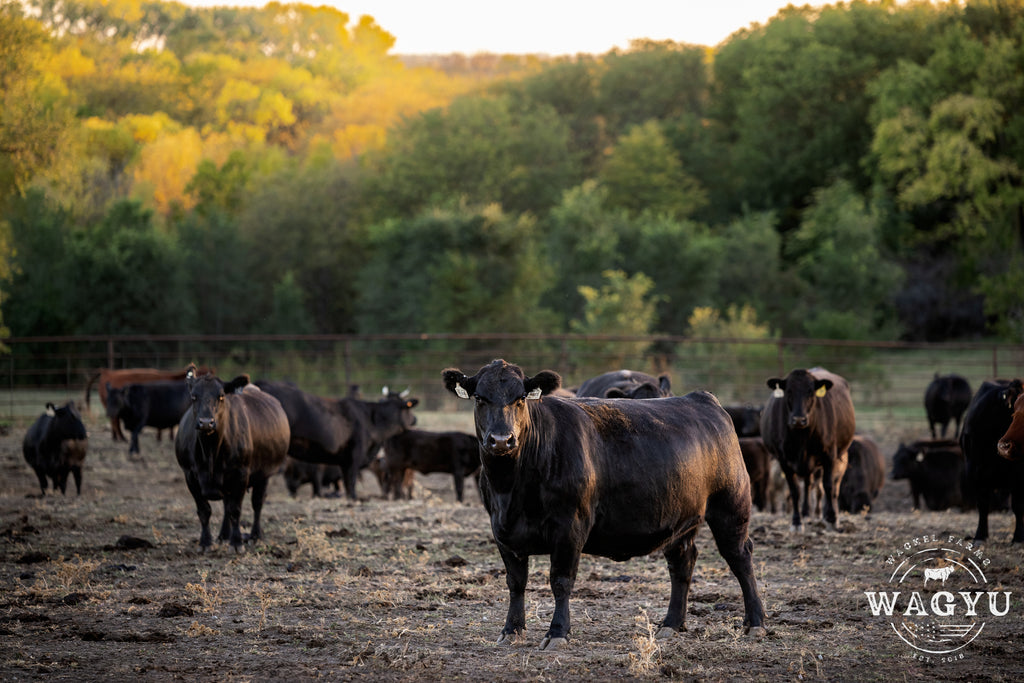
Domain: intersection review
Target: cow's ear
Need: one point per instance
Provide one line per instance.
(51, 409)
(615, 392)
(665, 384)
(776, 383)
(458, 383)
(821, 387)
(191, 371)
(544, 382)
(236, 384)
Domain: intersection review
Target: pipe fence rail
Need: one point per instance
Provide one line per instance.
(888, 379)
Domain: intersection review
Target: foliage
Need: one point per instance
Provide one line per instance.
(850, 171)
(624, 305)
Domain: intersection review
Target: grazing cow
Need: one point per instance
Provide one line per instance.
(946, 399)
(613, 478)
(808, 425)
(159, 404)
(864, 477)
(345, 432)
(746, 419)
(232, 438)
(935, 469)
(758, 462)
(55, 445)
(626, 384)
(297, 473)
(104, 378)
(988, 418)
(427, 452)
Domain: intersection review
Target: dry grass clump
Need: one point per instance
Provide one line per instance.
(74, 574)
(647, 657)
(206, 595)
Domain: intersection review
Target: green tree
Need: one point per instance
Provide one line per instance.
(643, 173)
(623, 305)
(127, 275)
(482, 149)
(847, 279)
(463, 269)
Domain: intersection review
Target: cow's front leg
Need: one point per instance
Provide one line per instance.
(234, 492)
(832, 471)
(1017, 504)
(516, 573)
(202, 510)
(794, 497)
(565, 561)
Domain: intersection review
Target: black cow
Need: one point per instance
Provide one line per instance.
(159, 404)
(946, 399)
(935, 469)
(55, 445)
(758, 462)
(988, 418)
(808, 425)
(233, 437)
(345, 432)
(296, 473)
(864, 477)
(426, 452)
(606, 477)
(746, 419)
(626, 384)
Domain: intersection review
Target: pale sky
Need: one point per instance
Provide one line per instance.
(554, 27)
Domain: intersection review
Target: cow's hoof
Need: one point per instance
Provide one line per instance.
(831, 526)
(796, 529)
(665, 632)
(550, 643)
(506, 638)
(756, 632)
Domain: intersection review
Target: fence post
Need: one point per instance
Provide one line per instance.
(110, 353)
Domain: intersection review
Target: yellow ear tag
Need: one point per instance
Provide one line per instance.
(820, 393)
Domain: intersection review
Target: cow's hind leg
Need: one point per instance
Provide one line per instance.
(681, 557)
(1017, 504)
(259, 494)
(76, 472)
(728, 517)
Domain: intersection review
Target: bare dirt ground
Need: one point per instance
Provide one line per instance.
(415, 590)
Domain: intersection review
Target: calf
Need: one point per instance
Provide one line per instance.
(55, 445)
(427, 452)
(158, 404)
(988, 418)
(626, 384)
(345, 432)
(864, 477)
(946, 399)
(613, 478)
(808, 425)
(104, 378)
(296, 473)
(232, 438)
(936, 472)
(758, 462)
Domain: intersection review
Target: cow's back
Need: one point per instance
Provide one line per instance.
(642, 465)
(311, 418)
(265, 425)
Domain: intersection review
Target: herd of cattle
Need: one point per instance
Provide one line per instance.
(618, 467)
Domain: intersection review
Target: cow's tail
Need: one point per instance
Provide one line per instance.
(88, 387)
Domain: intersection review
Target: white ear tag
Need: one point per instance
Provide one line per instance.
(533, 395)
(778, 393)
(920, 457)
(460, 392)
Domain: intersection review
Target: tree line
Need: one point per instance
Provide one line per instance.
(851, 171)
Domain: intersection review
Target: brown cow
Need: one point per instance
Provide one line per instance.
(121, 378)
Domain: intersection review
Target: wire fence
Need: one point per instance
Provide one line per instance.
(888, 380)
